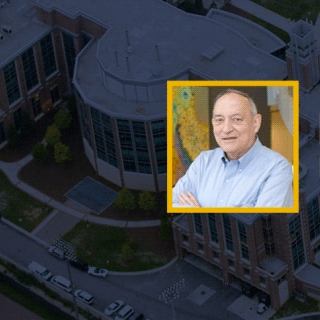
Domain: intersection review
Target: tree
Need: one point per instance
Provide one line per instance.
(147, 200)
(126, 200)
(165, 226)
(62, 119)
(40, 152)
(127, 251)
(13, 137)
(53, 135)
(62, 153)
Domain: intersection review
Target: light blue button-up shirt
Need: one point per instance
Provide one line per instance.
(260, 178)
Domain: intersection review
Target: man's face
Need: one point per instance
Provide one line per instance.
(234, 126)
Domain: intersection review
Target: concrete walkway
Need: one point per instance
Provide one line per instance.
(263, 14)
(64, 217)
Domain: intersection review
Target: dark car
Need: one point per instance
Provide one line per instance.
(136, 316)
(79, 264)
(248, 290)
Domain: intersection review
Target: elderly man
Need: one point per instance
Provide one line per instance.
(242, 172)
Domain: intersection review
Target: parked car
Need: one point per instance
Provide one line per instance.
(261, 308)
(98, 272)
(56, 252)
(124, 313)
(79, 264)
(84, 296)
(114, 307)
(62, 283)
(40, 270)
(136, 316)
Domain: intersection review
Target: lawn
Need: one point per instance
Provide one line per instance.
(20, 208)
(293, 307)
(119, 249)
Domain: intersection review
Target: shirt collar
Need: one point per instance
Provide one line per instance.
(246, 158)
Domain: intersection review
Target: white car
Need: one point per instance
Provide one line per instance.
(124, 313)
(114, 307)
(84, 296)
(99, 272)
(58, 253)
(261, 308)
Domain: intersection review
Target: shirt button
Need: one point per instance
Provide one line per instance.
(227, 180)
(240, 170)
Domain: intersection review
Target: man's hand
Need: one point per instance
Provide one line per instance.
(188, 198)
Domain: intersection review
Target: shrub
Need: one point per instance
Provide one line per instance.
(40, 152)
(53, 135)
(126, 200)
(62, 153)
(13, 137)
(62, 119)
(147, 200)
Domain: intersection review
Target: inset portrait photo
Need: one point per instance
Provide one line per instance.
(233, 146)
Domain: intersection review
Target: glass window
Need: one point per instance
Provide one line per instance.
(200, 246)
(297, 249)
(85, 122)
(11, 80)
(2, 134)
(227, 232)
(268, 236)
(198, 223)
(55, 95)
(314, 218)
(70, 52)
(213, 227)
(29, 68)
(36, 105)
(243, 240)
(215, 254)
(48, 57)
(160, 144)
(17, 116)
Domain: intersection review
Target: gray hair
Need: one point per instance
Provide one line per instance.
(253, 107)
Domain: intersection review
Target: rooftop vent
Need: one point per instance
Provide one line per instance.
(7, 29)
(212, 52)
(3, 4)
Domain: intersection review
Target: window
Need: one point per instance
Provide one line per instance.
(70, 52)
(109, 140)
(126, 144)
(36, 105)
(29, 68)
(11, 80)
(227, 232)
(197, 223)
(213, 227)
(200, 246)
(141, 146)
(246, 271)
(160, 144)
(230, 263)
(55, 95)
(85, 122)
(297, 248)
(2, 134)
(283, 278)
(48, 57)
(268, 236)
(314, 218)
(185, 238)
(215, 254)
(262, 280)
(17, 116)
(243, 240)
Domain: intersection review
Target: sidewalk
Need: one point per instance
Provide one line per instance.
(63, 217)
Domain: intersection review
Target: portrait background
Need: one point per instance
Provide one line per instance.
(192, 129)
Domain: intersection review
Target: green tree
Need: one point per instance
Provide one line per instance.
(147, 200)
(62, 119)
(53, 135)
(40, 152)
(13, 137)
(126, 200)
(165, 226)
(62, 153)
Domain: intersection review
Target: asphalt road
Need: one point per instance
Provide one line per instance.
(140, 291)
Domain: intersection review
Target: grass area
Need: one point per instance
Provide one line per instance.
(28, 302)
(293, 9)
(111, 248)
(19, 207)
(278, 32)
(293, 306)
